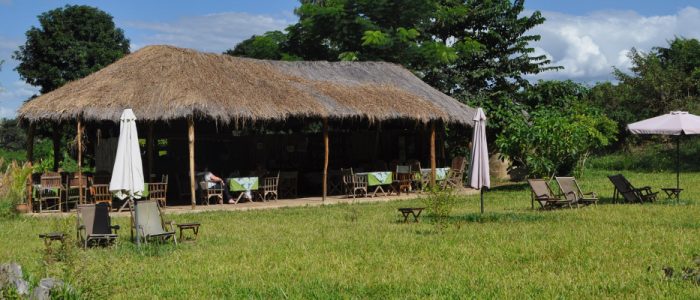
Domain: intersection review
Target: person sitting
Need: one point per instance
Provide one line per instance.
(216, 182)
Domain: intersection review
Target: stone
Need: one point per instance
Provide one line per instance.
(11, 276)
(43, 290)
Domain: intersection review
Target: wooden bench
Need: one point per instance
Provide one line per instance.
(407, 211)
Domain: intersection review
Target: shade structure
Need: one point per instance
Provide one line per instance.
(673, 123)
(676, 123)
(127, 174)
(479, 166)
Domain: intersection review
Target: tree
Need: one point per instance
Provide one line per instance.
(662, 80)
(476, 51)
(559, 132)
(70, 43)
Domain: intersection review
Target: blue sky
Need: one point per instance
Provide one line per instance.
(588, 38)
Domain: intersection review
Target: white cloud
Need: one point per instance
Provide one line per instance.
(589, 46)
(213, 32)
(12, 96)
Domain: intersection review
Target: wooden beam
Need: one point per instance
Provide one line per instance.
(149, 150)
(433, 164)
(30, 142)
(56, 138)
(190, 139)
(325, 158)
(79, 133)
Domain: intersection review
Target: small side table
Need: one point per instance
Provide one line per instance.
(194, 226)
(407, 211)
(50, 237)
(672, 193)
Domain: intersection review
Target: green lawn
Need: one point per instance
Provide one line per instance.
(361, 251)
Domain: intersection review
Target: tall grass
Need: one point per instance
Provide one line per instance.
(364, 251)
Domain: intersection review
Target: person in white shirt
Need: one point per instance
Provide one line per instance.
(214, 181)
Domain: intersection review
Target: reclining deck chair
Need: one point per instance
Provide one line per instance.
(629, 192)
(455, 175)
(95, 225)
(151, 225)
(572, 191)
(542, 194)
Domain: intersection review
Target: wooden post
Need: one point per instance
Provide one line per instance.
(432, 155)
(56, 138)
(190, 139)
(149, 149)
(325, 158)
(79, 133)
(30, 142)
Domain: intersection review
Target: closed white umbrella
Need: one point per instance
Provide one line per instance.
(479, 164)
(127, 175)
(674, 123)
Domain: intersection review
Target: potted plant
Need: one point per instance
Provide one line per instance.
(13, 187)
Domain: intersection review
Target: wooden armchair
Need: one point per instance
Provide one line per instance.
(403, 179)
(50, 192)
(100, 194)
(354, 185)
(269, 188)
(76, 190)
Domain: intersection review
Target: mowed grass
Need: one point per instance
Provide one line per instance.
(363, 251)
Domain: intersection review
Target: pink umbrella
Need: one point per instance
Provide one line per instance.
(676, 123)
(479, 164)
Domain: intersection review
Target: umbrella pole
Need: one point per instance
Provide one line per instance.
(482, 200)
(678, 162)
(136, 218)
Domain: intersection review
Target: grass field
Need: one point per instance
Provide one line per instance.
(362, 251)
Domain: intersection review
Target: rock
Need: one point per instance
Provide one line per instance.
(11, 276)
(668, 271)
(45, 287)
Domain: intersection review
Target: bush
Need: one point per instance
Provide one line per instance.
(439, 206)
(13, 186)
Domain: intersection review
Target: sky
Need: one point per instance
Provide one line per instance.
(588, 38)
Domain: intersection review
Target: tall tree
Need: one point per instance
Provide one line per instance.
(70, 43)
(477, 51)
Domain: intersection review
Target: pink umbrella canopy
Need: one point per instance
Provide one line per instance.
(479, 164)
(673, 123)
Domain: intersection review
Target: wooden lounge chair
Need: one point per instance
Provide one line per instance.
(542, 194)
(455, 175)
(95, 225)
(50, 192)
(151, 225)
(354, 185)
(629, 192)
(572, 191)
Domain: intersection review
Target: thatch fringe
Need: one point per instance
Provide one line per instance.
(162, 83)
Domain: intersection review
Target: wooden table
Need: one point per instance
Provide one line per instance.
(672, 192)
(50, 237)
(194, 226)
(377, 180)
(407, 211)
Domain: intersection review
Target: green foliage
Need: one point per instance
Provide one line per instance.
(558, 134)
(655, 155)
(603, 252)
(266, 46)
(662, 80)
(70, 43)
(440, 204)
(13, 184)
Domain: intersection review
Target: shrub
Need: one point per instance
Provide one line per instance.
(13, 186)
(439, 206)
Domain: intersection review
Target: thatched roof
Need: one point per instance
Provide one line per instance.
(166, 83)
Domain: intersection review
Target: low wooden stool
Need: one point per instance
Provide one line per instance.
(194, 226)
(50, 237)
(672, 193)
(407, 211)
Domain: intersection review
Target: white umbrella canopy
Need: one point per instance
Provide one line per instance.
(479, 164)
(127, 175)
(673, 123)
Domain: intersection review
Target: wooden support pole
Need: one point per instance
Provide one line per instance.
(149, 150)
(30, 142)
(56, 138)
(79, 133)
(325, 158)
(190, 139)
(433, 164)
